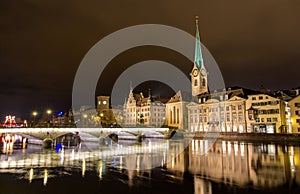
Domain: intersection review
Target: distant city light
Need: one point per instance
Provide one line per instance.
(60, 113)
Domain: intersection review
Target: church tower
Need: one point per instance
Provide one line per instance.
(199, 73)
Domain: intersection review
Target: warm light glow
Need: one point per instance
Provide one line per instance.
(45, 176)
(30, 175)
(173, 162)
(101, 114)
(121, 163)
(100, 170)
(35, 113)
(49, 111)
(85, 115)
(83, 167)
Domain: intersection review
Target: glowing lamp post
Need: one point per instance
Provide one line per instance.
(34, 114)
(48, 113)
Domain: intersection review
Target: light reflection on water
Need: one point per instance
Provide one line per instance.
(232, 163)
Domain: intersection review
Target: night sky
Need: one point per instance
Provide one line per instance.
(42, 43)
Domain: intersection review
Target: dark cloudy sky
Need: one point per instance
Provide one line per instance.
(42, 43)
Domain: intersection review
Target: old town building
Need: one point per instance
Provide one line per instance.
(294, 105)
(266, 114)
(143, 111)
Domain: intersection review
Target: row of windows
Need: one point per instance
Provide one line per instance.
(265, 103)
(234, 117)
(158, 114)
(131, 110)
(146, 114)
(268, 120)
(215, 109)
(222, 118)
(130, 121)
(159, 109)
(259, 97)
(129, 115)
(269, 111)
(145, 109)
(157, 120)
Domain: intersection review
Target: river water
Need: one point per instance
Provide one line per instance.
(171, 166)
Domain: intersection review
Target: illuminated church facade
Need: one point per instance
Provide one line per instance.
(224, 110)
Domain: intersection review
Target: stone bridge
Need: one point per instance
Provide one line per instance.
(37, 135)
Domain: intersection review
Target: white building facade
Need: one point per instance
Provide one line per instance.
(141, 111)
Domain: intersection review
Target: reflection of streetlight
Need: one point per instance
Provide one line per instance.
(34, 115)
(45, 176)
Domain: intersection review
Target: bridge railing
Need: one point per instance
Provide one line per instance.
(104, 130)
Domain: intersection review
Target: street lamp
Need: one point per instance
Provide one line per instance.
(48, 113)
(34, 114)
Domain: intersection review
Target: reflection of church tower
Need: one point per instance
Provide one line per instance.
(199, 73)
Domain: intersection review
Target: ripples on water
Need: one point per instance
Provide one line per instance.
(223, 167)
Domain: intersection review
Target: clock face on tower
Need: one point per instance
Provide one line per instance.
(195, 72)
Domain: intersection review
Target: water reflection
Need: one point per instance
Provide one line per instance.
(202, 186)
(232, 163)
(239, 163)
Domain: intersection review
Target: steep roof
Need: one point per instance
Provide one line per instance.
(198, 60)
(182, 97)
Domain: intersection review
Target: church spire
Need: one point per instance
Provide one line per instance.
(198, 54)
(149, 93)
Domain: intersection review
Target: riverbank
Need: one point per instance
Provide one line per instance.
(251, 137)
